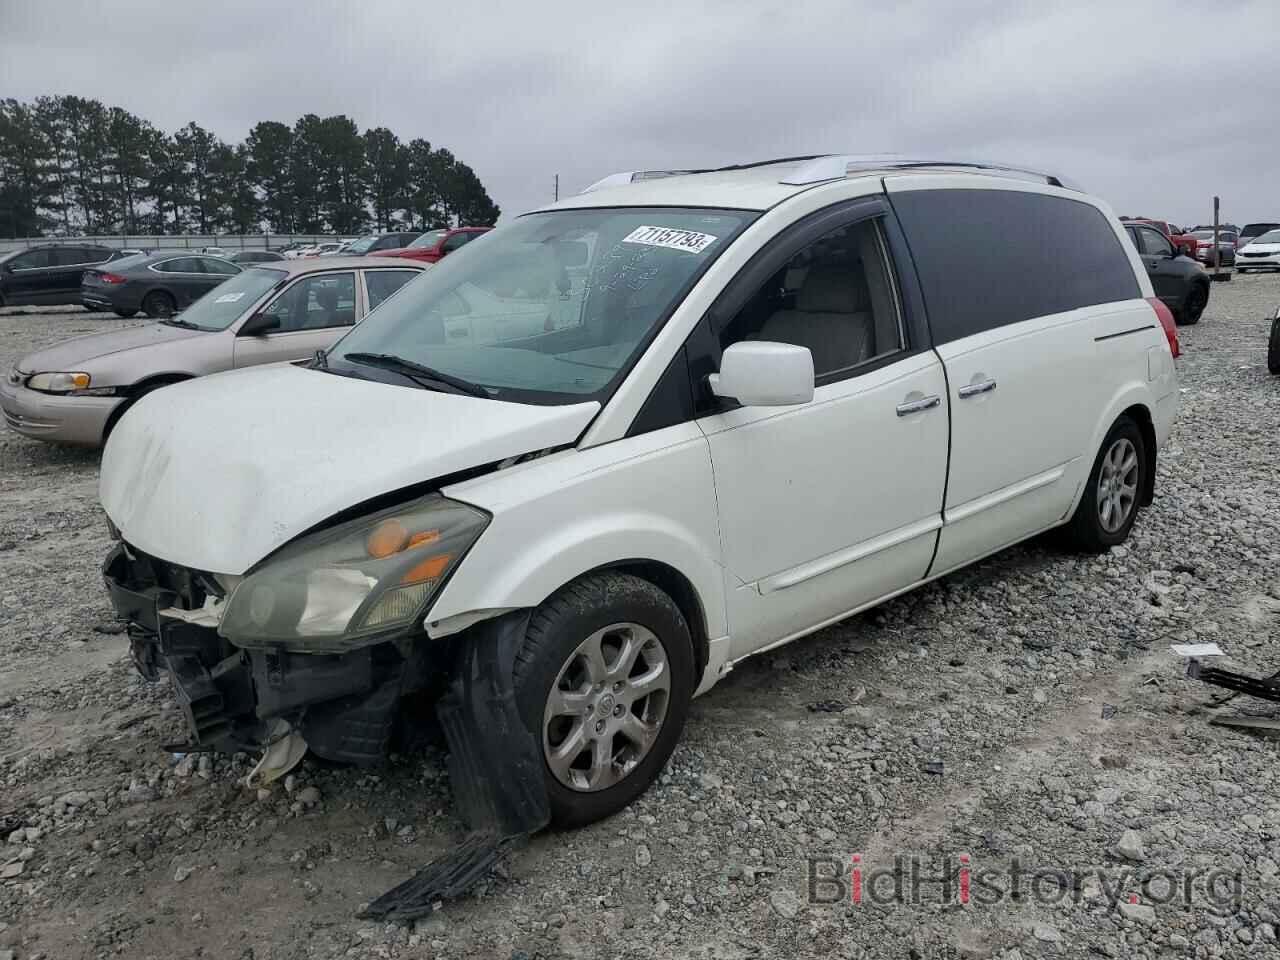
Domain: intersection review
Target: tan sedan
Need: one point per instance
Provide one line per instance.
(75, 392)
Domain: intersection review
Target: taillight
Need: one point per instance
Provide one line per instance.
(1166, 320)
(111, 278)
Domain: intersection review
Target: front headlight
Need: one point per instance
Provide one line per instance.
(59, 382)
(347, 586)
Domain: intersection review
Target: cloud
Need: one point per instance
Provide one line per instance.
(1148, 104)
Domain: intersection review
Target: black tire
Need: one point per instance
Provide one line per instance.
(1193, 305)
(125, 314)
(1273, 347)
(1085, 531)
(556, 630)
(158, 305)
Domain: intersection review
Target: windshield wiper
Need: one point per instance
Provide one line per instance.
(417, 372)
(176, 322)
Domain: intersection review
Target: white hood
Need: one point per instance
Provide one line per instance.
(217, 472)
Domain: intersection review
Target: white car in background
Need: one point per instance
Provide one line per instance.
(1260, 253)
(591, 461)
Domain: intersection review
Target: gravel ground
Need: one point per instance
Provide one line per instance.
(1026, 713)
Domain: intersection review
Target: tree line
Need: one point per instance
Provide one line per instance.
(69, 166)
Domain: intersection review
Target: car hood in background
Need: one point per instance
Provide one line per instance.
(218, 472)
(1260, 248)
(73, 354)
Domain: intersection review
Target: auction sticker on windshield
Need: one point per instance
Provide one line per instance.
(688, 240)
(230, 297)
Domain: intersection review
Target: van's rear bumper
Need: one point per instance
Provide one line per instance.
(343, 705)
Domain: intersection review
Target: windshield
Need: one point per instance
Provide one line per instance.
(225, 303)
(1272, 236)
(428, 239)
(362, 245)
(553, 308)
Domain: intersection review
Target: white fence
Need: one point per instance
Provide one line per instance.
(249, 241)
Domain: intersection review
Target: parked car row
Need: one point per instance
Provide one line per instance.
(76, 392)
(51, 274)
(579, 471)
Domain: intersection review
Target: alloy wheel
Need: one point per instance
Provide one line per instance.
(1118, 485)
(606, 707)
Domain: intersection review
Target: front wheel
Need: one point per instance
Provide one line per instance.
(1109, 505)
(1273, 347)
(603, 682)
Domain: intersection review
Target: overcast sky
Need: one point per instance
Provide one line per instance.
(1154, 106)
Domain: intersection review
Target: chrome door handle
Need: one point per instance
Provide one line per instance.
(915, 406)
(973, 389)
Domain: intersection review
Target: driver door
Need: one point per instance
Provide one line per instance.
(313, 312)
(1168, 278)
(827, 506)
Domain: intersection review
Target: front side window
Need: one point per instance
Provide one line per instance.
(381, 284)
(835, 297)
(556, 307)
(1155, 243)
(316, 302)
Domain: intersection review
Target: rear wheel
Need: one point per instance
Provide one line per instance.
(1193, 306)
(1109, 505)
(1273, 347)
(158, 305)
(603, 682)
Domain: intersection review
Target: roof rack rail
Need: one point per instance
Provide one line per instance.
(635, 176)
(839, 166)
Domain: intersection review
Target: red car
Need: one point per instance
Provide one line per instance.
(1182, 242)
(434, 244)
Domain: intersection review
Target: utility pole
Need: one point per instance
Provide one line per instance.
(557, 190)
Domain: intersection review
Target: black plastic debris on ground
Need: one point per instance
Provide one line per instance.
(827, 706)
(495, 769)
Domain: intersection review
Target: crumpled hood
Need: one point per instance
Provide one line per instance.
(74, 354)
(218, 472)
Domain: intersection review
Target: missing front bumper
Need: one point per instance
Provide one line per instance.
(343, 705)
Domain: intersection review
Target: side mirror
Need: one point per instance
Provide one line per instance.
(259, 325)
(759, 373)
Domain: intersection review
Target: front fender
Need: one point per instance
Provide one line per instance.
(648, 498)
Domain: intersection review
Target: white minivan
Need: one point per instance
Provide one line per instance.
(754, 401)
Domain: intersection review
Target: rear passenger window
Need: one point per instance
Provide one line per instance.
(988, 258)
(836, 297)
(383, 283)
(180, 265)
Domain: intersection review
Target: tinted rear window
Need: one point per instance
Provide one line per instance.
(988, 258)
